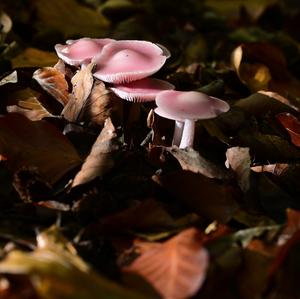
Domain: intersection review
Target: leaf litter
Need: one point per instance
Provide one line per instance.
(135, 216)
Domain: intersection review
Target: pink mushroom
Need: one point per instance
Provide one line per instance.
(129, 60)
(81, 51)
(186, 107)
(143, 90)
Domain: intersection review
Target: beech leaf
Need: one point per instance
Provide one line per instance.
(176, 268)
(53, 82)
(36, 144)
(101, 158)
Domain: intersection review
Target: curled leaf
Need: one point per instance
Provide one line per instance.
(176, 268)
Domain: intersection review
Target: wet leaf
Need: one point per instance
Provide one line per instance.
(292, 125)
(239, 160)
(101, 158)
(53, 82)
(176, 268)
(36, 144)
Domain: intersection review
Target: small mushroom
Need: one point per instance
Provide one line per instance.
(81, 51)
(129, 60)
(186, 107)
(143, 90)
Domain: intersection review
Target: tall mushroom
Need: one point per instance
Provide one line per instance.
(186, 107)
(81, 51)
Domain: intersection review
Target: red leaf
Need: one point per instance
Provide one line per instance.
(176, 268)
(292, 125)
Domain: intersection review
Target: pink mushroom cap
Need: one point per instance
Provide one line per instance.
(143, 90)
(193, 105)
(81, 51)
(129, 60)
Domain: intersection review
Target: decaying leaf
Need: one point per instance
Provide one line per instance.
(176, 268)
(292, 125)
(82, 83)
(239, 160)
(36, 144)
(31, 108)
(276, 169)
(101, 158)
(53, 82)
(56, 271)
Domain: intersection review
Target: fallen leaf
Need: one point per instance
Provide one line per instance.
(31, 108)
(292, 125)
(176, 268)
(36, 144)
(191, 160)
(32, 57)
(53, 82)
(56, 271)
(101, 104)
(82, 83)
(101, 158)
(207, 197)
(10, 78)
(5, 23)
(239, 160)
(276, 169)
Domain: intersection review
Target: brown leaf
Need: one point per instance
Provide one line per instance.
(176, 268)
(36, 144)
(53, 82)
(292, 125)
(191, 160)
(239, 160)
(206, 197)
(82, 83)
(276, 169)
(101, 158)
(31, 108)
(32, 57)
(102, 104)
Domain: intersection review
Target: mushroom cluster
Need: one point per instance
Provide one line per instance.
(125, 64)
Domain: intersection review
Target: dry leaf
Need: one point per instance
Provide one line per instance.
(32, 57)
(31, 108)
(36, 144)
(82, 83)
(239, 160)
(292, 125)
(10, 78)
(176, 268)
(191, 160)
(100, 160)
(5, 23)
(102, 104)
(53, 82)
(276, 169)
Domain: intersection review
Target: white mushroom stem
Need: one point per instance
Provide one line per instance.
(177, 132)
(188, 133)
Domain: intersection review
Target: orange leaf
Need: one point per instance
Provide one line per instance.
(292, 125)
(36, 144)
(54, 82)
(176, 268)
